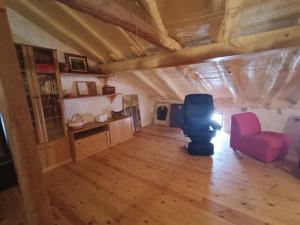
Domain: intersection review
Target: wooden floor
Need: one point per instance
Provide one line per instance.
(150, 179)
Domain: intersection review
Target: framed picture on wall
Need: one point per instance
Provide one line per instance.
(77, 63)
(161, 113)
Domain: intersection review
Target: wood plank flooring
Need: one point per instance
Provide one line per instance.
(11, 209)
(150, 179)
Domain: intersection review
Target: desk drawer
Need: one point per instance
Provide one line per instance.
(90, 145)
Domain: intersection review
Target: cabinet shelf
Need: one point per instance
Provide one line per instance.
(111, 96)
(84, 74)
(51, 94)
(53, 117)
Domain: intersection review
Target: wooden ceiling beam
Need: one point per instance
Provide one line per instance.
(141, 50)
(168, 59)
(280, 74)
(110, 12)
(266, 41)
(148, 83)
(117, 55)
(215, 24)
(228, 80)
(166, 81)
(202, 81)
(228, 24)
(189, 74)
(282, 38)
(152, 9)
(59, 27)
(233, 69)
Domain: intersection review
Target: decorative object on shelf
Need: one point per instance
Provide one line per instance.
(69, 94)
(86, 88)
(118, 114)
(108, 90)
(77, 63)
(87, 117)
(76, 122)
(101, 118)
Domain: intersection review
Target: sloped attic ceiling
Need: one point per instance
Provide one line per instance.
(172, 48)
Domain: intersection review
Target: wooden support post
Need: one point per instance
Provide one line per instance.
(20, 132)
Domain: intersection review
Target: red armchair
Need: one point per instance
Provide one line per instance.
(247, 137)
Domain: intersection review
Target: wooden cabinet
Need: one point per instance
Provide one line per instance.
(120, 130)
(115, 132)
(42, 84)
(42, 155)
(95, 137)
(55, 153)
(92, 144)
(126, 127)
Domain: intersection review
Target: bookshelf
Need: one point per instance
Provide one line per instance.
(41, 80)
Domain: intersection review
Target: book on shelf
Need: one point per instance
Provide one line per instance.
(49, 87)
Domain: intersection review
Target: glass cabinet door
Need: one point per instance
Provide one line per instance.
(51, 106)
(46, 78)
(29, 91)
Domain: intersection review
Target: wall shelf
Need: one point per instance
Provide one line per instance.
(105, 77)
(111, 96)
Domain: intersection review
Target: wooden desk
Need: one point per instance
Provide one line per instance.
(95, 137)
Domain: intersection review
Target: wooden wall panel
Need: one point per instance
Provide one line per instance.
(20, 131)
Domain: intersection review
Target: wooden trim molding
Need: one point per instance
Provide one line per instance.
(20, 132)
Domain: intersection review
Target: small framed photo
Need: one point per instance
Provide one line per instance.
(86, 88)
(77, 63)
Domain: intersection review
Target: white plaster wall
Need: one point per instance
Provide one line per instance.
(25, 32)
